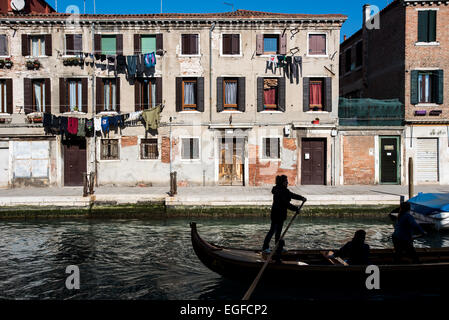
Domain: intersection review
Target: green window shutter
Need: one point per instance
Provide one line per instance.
(423, 25)
(432, 26)
(440, 84)
(108, 45)
(414, 87)
(148, 44)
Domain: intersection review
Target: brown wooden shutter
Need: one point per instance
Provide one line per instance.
(9, 107)
(48, 45)
(200, 94)
(194, 44)
(328, 94)
(241, 91)
(137, 44)
(69, 47)
(62, 95)
(84, 106)
(78, 43)
(260, 94)
(159, 90)
(117, 94)
(227, 44)
(220, 102)
(305, 94)
(137, 106)
(159, 41)
(119, 43)
(97, 43)
(185, 44)
(235, 44)
(25, 45)
(179, 94)
(47, 95)
(283, 46)
(281, 94)
(99, 96)
(27, 96)
(259, 44)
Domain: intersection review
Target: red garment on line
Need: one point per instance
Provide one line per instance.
(72, 125)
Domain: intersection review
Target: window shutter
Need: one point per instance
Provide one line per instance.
(178, 94)
(259, 44)
(119, 43)
(283, 47)
(432, 25)
(328, 94)
(423, 23)
(69, 44)
(62, 95)
(97, 43)
(78, 43)
(259, 94)
(25, 45)
(194, 44)
(185, 44)
(220, 102)
(117, 93)
(99, 103)
(48, 46)
(200, 94)
(305, 94)
(281, 96)
(235, 44)
(227, 44)
(440, 85)
(195, 148)
(47, 95)
(28, 93)
(137, 44)
(159, 41)
(414, 86)
(241, 91)
(3, 45)
(84, 107)
(184, 148)
(137, 88)
(9, 107)
(159, 90)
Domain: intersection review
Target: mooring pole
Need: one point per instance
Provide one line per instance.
(411, 187)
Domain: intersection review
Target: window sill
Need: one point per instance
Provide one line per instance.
(267, 55)
(231, 111)
(270, 159)
(107, 113)
(190, 160)
(105, 160)
(317, 55)
(425, 44)
(189, 111)
(427, 105)
(74, 113)
(189, 55)
(5, 57)
(231, 55)
(145, 160)
(36, 57)
(274, 111)
(314, 112)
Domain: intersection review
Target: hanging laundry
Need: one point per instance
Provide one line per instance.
(55, 124)
(297, 68)
(97, 124)
(81, 128)
(150, 60)
(63, 125)
(72, 125)
(113, 123)
(105, 124)
(46, 122)
(152, 118)
(132, 66)
(134, 116)
(89, 128)
(121, 64)
(140, 69)
(110, 58)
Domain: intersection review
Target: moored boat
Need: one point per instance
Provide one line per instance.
(310, 268)
(431, 209)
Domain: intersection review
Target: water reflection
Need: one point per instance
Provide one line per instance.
(154, 259)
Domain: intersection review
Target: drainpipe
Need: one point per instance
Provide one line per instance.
(94, 106)
(210, 71)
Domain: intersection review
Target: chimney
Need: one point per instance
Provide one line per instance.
(366, 14)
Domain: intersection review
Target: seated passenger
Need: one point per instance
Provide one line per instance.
(355, 251)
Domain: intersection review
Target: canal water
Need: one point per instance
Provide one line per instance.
(153, 258)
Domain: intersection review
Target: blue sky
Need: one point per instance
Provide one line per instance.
(351, 8)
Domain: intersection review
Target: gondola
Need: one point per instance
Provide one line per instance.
(311, 268)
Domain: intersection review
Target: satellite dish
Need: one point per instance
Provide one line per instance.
(17, 5)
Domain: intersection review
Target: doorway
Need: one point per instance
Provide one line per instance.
(75, 162)
(313, 161)
(389, 160)
(231, 161)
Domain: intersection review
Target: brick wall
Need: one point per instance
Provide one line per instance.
(358, 164)
(129, 141)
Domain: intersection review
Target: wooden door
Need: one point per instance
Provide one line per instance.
(75, 162)
(313, 162)
(231, 165)
(389, 160)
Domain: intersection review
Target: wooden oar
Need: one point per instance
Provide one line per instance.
(250, 290)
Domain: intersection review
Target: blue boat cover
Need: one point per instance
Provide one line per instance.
(430, 203)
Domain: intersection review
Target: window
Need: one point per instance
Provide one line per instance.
(189, 96)
(3, 100)
(348, 60)
(148, 149)
(110, 103)
(108, 45)
(190, 148)
(270, 93)
(147, 93)
(189, 44)
(230, 88)
(37, 46)
(75, 95)
(109, 149)
(3, 45)
(270, 43)
(38, 102)
(271, 148)
(148, 43)
(231, 44)
(359, 54)
(73, 44)
(425, 87)
(316, 94)
(427, 25)
(317, 44)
